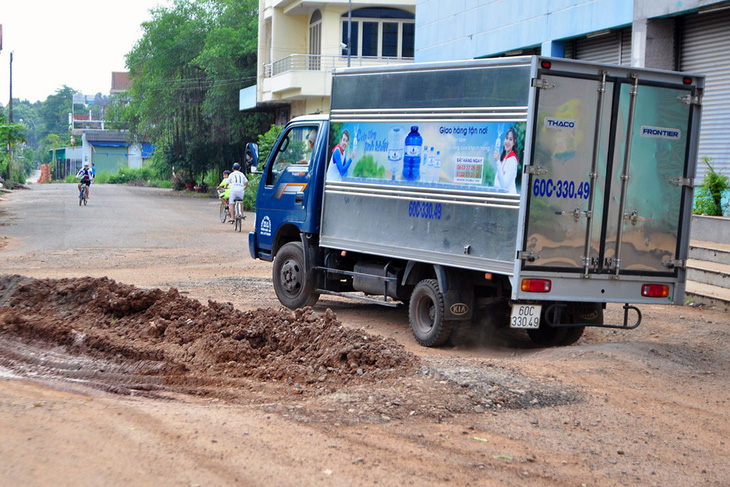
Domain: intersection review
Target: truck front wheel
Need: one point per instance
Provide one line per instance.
(426, 311)
(290, 276)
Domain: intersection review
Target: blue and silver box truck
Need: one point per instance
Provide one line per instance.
(530, 190)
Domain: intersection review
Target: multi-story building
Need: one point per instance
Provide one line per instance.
(300, 42)
(691, 35)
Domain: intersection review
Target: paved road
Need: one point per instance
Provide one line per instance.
(123, 229)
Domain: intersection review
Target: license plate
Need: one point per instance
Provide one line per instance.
(525, 316)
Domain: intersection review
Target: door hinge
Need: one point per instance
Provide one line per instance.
(527, 255)
(542, 84)
(576, 214)
(634, 217)
(690, 99)
(673, 263)
(682, 182)
(536, 170)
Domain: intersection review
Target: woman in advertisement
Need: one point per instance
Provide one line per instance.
(340, 163)
(505, 164)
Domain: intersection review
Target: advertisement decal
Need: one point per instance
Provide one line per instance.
(476, 155)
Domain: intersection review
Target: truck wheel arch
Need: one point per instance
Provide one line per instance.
(452, 283)
(285, 234)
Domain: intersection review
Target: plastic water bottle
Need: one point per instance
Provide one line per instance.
(412, 155)
(395, 150)
(436, 168)
(424, 164)
(430, 165)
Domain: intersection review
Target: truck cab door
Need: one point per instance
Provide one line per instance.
(285, 183)
(609, 158)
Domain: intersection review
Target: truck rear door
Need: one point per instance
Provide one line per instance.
(608, 181)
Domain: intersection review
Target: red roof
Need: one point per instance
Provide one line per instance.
(120, 82)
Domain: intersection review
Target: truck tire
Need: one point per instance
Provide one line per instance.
(546, 335)
(589, 313)
(575, 313)
(426, 312)
(290, 276)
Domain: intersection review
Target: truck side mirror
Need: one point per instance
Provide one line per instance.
(252, 158)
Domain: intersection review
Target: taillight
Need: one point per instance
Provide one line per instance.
(655, 290)
(546, 65)
(687, 80)
(536, 285)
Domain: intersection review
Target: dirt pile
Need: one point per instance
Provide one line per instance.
(179, 338)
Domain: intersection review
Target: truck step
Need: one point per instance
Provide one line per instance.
(705, 294)
(706, 272)
(382, 302)
(709, 251)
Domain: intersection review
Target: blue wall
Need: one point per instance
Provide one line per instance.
(465, 29)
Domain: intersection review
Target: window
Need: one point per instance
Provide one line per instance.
(379, 32)
(296, 148)
(315, 41)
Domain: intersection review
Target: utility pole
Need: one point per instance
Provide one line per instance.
(10, 117)
(349, 33)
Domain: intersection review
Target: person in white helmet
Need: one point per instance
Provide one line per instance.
(237, 182)
(86, 177)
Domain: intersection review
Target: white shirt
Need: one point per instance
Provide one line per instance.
(237, 181)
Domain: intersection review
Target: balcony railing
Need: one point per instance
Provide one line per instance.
(310, 62)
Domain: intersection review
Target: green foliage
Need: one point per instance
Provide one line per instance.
(53, 113)
(708, 196)
(266, 142)
(249, 197)
(129, 175)
(189, 65)
(12, 134)
(367, 168)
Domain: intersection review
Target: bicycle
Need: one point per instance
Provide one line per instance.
(224, 212)
(239, 216)
(82, 195)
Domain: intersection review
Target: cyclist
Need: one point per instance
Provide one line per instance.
(237, 184)
(225, 186)
(86, 177)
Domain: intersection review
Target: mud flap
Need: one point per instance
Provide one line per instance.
(458, 293)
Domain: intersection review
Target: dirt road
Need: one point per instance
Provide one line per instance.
(143, 346)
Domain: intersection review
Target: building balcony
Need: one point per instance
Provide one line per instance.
(304, 75)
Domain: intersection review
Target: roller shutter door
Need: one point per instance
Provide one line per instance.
(705, 49)
(611, 48)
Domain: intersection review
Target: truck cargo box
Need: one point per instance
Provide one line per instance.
(600, 171)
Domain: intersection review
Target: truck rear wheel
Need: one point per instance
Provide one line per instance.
(290, 276)
(426, 311)
(575, 313)
(589, 313)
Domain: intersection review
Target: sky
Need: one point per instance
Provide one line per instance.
(77, 43)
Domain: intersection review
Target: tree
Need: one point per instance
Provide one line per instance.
(11, 134)
(54, 112)
(185, 74)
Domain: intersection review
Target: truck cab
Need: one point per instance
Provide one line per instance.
(289, 198)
